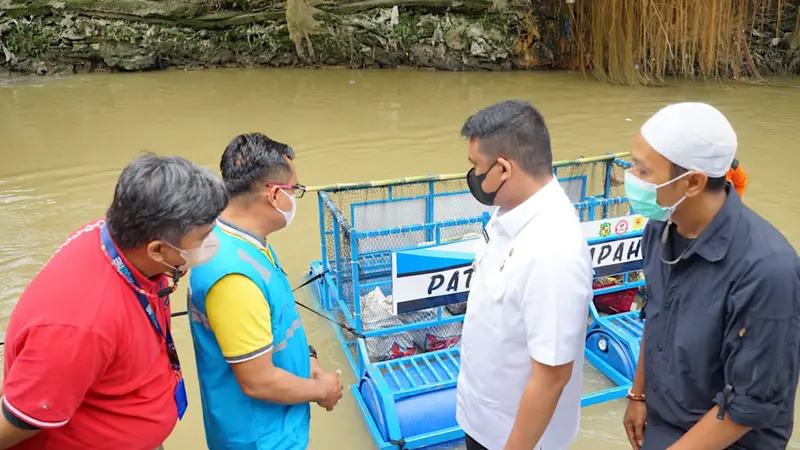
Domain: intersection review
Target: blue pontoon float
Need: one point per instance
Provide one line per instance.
(396, 267)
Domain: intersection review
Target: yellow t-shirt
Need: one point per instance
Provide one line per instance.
(240, 318)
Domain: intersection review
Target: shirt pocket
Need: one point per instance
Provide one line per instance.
(494, 283)
(494, 289)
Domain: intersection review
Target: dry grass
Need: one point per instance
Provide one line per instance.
(642, 41)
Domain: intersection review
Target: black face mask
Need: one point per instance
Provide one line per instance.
(475, 181)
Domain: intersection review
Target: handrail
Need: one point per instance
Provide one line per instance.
(450, 176)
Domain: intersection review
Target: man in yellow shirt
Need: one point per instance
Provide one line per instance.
(257, 372)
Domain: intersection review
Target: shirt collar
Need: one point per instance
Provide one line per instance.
(511, 222)
(247, 235)
(714, 242)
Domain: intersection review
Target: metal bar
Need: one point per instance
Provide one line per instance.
(607, 187)
(407, 374)
(429, 214)
(378, 284)
(337, 257)
(419, 372)
(622, 325)
(451, 176)
(411, 326)
(444, 366)
(434, 437)
(605, 395)
(389, 369)
(453, 360)
(412, 228)
(324, 300)
(438, 377)
(355, 282)
(328, 283)
(411, 392)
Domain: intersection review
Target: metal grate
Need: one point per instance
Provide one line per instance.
(421, 373)
(362, 225)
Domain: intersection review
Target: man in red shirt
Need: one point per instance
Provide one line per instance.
(89, 357)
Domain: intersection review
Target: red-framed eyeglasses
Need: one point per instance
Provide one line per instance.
(298, 190)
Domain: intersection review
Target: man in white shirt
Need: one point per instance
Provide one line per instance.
(524, 331)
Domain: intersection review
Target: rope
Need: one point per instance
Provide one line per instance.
(306, 283)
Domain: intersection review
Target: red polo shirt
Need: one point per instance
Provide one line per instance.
(82, 360)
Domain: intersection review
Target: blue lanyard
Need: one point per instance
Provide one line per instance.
(110, 249)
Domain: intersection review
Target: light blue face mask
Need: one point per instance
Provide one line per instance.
(643, 197)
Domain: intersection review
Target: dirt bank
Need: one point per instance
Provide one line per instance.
(48, 37)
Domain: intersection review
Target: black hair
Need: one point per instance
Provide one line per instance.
(513, 128)
(714, 184)
(254, 158)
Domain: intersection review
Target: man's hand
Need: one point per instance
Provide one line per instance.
(634, 421)
(318, 373)
(316, 368)
(333, 389)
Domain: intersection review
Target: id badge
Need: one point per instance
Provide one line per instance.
(181, 399)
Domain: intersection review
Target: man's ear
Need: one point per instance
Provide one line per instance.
(271, 195)
(505, 163)
(155, 250)
(695, 184)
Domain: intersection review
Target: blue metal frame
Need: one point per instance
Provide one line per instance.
(391, 380)
(584, 181)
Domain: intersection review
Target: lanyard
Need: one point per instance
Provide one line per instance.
(111, 252)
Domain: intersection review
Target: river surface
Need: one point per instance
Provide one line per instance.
(65, 140)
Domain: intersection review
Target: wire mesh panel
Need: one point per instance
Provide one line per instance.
(594, 184)
(362, 225)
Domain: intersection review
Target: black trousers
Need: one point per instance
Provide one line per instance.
(472, 445)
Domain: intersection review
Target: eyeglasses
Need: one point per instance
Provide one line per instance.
(298, 190)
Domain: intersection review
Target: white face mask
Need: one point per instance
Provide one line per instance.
(197, 256)
(289, 216)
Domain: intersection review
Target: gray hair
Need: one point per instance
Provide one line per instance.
(513, 129)
(163, 198)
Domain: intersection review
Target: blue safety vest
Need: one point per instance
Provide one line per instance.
(234, 421)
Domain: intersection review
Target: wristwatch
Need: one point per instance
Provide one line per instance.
(312, 351)
(635, 397)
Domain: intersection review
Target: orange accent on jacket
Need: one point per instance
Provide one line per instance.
(738, 177)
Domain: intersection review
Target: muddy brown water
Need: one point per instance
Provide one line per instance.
(64, 141)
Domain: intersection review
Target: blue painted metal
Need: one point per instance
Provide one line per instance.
(429, 209)
(424, 259)
(584, 180)
(607, 187)
(323, 249)
(412, 399)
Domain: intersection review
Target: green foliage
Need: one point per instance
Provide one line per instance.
(25, 38)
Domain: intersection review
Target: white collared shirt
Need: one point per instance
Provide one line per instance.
(530, 299)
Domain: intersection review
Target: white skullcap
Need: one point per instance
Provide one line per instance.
(695, 136)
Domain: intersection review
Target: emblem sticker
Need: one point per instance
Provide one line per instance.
(605, 229)
(621, 227)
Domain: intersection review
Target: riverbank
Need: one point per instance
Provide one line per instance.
(442, 35)
(50, 37)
